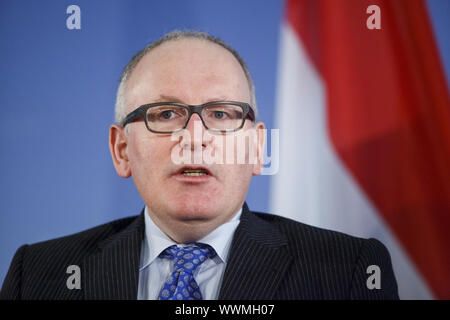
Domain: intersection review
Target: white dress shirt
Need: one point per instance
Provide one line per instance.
(153, 270)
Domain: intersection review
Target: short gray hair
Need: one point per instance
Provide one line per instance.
(120, 108)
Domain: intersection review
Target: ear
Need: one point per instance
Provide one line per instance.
(260, 144)
(118, 147)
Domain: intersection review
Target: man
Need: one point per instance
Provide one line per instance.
(184, 97)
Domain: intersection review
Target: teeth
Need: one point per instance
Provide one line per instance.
(194, 174)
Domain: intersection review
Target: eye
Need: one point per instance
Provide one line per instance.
(167, 114)
(220, 115)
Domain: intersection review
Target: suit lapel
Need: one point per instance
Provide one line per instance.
(113, 271)
(256, 265)
(258, 260)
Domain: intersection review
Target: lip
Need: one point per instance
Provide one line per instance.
(179, 171)
(179, 176)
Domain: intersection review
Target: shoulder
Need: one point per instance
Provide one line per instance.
(44, 256)
(340, 262)
(315, 246)
(83, 241)
(43, 263)
(308, 235)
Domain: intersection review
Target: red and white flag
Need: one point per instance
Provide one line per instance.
(364, 118)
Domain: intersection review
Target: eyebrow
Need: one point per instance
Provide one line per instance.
(169, 98)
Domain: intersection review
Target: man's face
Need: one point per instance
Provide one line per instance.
(193, 72)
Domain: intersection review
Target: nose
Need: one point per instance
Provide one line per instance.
(193, 121)
(199, 136)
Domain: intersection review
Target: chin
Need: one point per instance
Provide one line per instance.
(194, 209)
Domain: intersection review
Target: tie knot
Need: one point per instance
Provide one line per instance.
(189, 256)
(180, 284)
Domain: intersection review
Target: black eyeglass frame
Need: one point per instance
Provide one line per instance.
(141, 112)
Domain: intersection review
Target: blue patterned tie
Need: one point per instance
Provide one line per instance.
(181, 285)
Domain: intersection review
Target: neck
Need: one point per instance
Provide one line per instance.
(189, 230)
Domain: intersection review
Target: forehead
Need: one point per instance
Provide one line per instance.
(194, 70)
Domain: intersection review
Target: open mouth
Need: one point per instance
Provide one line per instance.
(194, 172)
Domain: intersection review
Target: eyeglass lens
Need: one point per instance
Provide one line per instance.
(224, 117)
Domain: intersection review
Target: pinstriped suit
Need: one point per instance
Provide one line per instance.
(270, 258)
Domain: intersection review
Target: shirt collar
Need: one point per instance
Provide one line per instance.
(156, 240)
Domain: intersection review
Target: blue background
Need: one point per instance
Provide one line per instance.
(57, 90)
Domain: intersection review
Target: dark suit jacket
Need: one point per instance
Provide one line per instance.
(270, 258)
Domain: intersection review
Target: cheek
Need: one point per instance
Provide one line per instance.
(233, 149)
(237, 178)
(146, 155)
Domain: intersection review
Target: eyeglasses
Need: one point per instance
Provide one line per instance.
(170, 117)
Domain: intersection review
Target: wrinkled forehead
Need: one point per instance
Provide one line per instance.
(194, 70)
